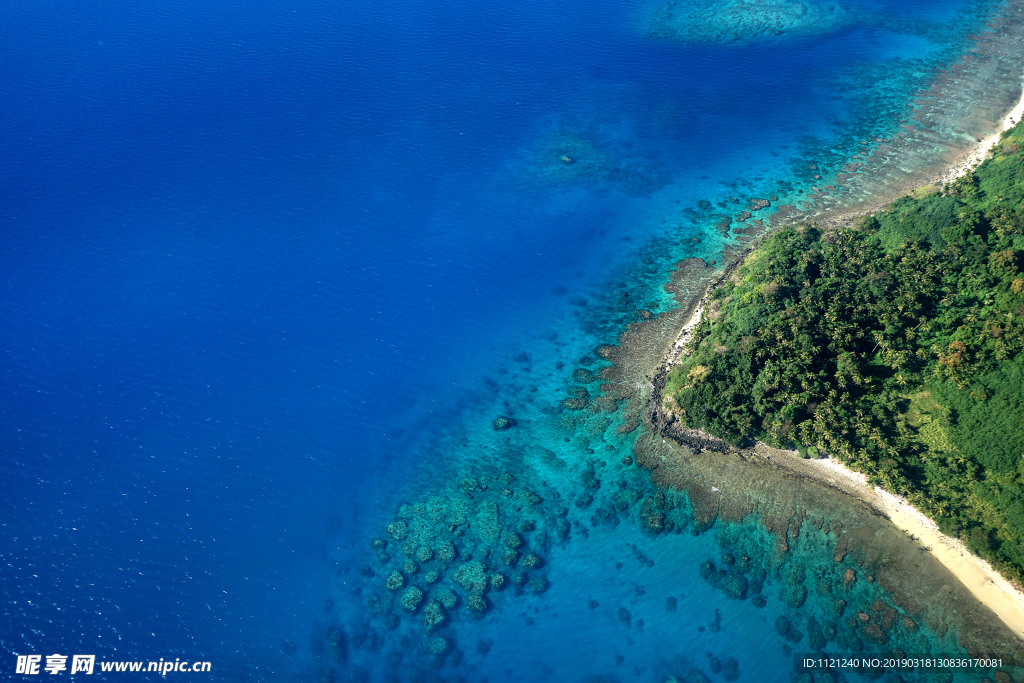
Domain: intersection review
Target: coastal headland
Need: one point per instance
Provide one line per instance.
(725, 482)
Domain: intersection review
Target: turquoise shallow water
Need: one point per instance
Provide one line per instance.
(272, 270)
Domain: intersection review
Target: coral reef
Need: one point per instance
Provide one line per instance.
(625, 497)
(794, 596)
(411, 599)
(583, 376)
(395, 581)
(578, 392)
(379, 604)
(729, 21)
(476, 603)
(486, 523)
(448, 599)
(584, 156)
(472, 576)
(735, 586)
(537, 584)
(464, 533)
(696, 676)
(730, 669)
(445, 551)
(433, 615)
(437, 508)
(653, 511)
(397, 530)
(502, 423)
(436, 646)
(529, 498)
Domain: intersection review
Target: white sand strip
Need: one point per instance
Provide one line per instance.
(978, 153)
(976, 574)
(687, 330)
(1009, 121)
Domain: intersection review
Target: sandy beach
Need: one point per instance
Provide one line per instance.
(984, 582)
(977, 154)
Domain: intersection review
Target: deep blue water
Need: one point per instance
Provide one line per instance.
(248, 249)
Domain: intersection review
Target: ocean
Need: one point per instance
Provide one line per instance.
(270, 272)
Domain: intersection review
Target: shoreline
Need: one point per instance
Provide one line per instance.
(976, 154)
(987, 585)
(977, 575)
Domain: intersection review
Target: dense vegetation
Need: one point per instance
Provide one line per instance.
(896, 345)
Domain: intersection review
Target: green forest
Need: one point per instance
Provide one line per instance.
(895, 345)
